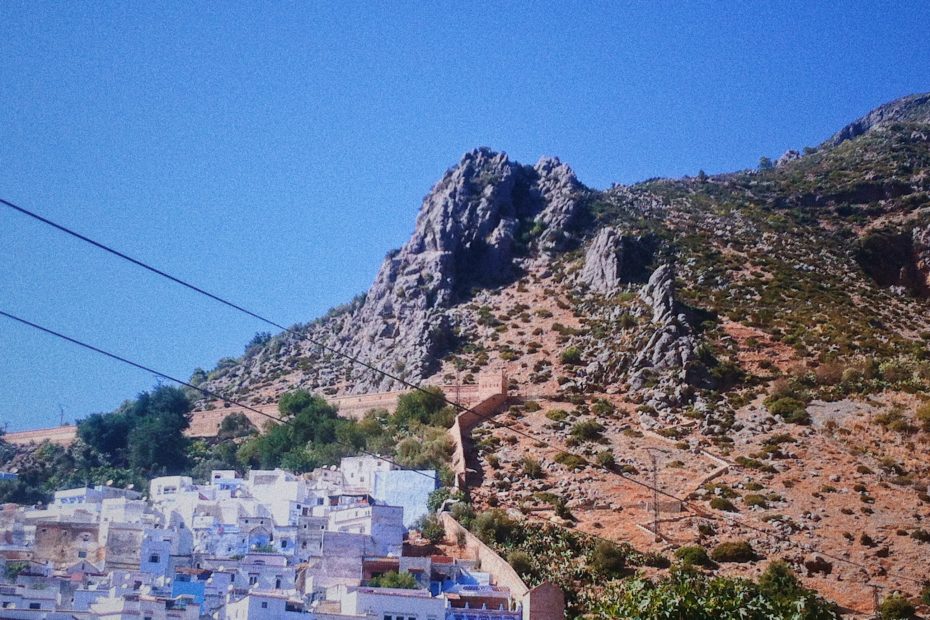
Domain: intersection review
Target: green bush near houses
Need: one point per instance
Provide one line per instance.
(393, 579)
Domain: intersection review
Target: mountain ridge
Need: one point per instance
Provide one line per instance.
(489, 217)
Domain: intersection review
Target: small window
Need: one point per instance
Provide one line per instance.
(35, 606)
(387, 617)
(154, 559)
(82, 554)
(264, 604)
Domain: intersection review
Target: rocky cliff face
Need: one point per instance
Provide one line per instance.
(476, 225)
(614, 259)
(898, 258)
(910, 109)
(477, 221)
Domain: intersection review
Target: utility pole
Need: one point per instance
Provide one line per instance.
(61, 415)
(653, 456)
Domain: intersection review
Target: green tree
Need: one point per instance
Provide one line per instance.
(145, 435)
(779, 582)
(608, 559)
(236, 425)
(427, 406)
(308, 436)
(493, 526)
(431, 528)
(393, 579)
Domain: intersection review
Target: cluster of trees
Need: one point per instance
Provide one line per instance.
(312, 435)
(690, 593)
(145, 437)
(142, 438)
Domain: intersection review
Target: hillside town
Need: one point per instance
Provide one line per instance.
(326, 545)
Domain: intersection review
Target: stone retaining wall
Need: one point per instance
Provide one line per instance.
(544, 602)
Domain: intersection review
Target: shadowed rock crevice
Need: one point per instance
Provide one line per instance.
(614, 259)
(898, 259)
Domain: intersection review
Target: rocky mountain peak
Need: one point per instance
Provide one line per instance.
(475, 225)
(910, 109)
(559, 189)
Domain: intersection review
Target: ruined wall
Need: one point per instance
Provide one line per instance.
(460, 433)
(122, 545)
(61, 435)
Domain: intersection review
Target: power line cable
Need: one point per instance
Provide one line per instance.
(202, 390)
(355, 360)
(351, 358)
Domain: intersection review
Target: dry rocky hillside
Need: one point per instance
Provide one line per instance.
(765, 331)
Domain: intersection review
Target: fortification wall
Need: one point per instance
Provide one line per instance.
(462, 454)
(544, 602)
(207, 423)
(62, 435)
(474, 549)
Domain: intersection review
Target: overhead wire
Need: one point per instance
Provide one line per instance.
(356, 360)
(202, 390)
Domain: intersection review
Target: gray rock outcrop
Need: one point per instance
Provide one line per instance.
(671, 346)
(910, 109)
(667, 365)
(559, 190)
(614, 259)
(472, 229)
(787, 157)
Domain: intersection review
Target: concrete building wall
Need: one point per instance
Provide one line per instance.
(407, 489)
(122, 545)
(63, 544)
(544, 602)
(398, 604)
(359, 471)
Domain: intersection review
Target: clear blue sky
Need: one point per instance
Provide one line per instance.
(275, 151)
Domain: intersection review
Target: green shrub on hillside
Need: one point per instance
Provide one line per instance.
(737, 551)
(569, 460)
(693, 555)
(571, 356)
(896, 607)
(789, 409)
(587, 430)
